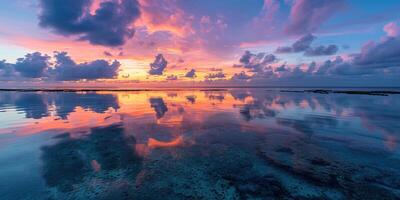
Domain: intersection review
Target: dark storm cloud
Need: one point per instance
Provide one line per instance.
(158, 66)
(307, 16)
(32, 65)
(191, 73)
(67, 70)
(108, 26)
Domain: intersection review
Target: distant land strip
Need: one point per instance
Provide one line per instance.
(359, 92)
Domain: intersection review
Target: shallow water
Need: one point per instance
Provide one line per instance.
(233, 144)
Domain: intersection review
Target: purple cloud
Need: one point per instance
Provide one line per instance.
(300, 45)
(32, 65)
(281, 68)
(304, 45)
(191, 73)
(383, 54)
(106, 53)
(2, 64)
(172, 77)
(374, 59)
(6, 69)
(158, 66)
(218, 75)
(110, 25)
(307, 16)
(241, 76)
(66, 69)
(256, 62)
(321, 50)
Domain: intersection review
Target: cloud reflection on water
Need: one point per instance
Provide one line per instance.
(128, 139)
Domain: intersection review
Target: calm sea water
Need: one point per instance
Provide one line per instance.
(233, 144)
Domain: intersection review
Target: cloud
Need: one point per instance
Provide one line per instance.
(32, 65)
(376, 61)
(158, 66)
(218, 75)
(109, 25)
(166, 15)
(384, 54)
(307, 16)
(3, 64)
(269, 11)
(328, 65)
(256, 62)
(106, 53)
(304, 45)
(214, 69)
(172, 77)
(322, 51)
(6, 69)
(311, 67)
(66, 69)
(375, 58)
(300, 45)
(392, 29)
(281, 68)
(37, 65)
(241, 76)
(191, 73)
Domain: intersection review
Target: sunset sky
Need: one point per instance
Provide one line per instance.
(191, 42)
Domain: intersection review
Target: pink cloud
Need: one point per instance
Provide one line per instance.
(392, 29)
(165, 16)
(307, 16)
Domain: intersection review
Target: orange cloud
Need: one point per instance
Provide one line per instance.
(165, 17)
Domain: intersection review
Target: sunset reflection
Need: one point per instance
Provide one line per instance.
(129, 136)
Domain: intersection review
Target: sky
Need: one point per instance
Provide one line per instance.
(130, 43)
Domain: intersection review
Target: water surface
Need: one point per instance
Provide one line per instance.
(215, 144)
